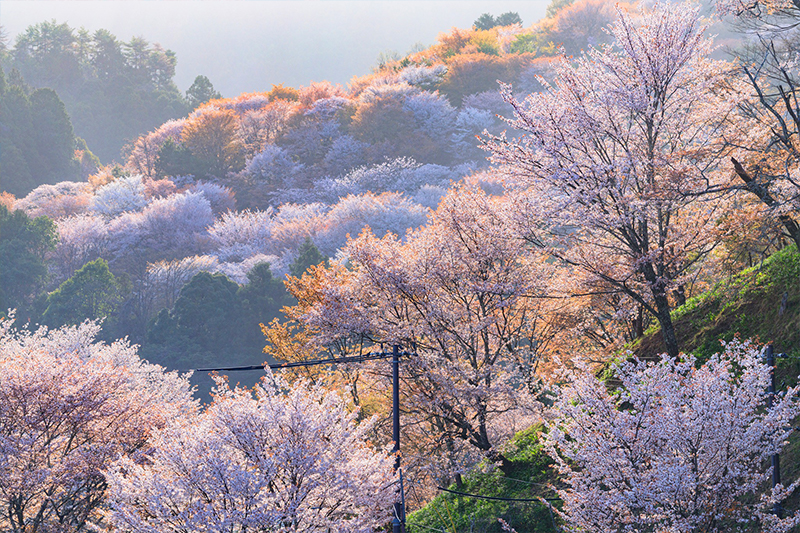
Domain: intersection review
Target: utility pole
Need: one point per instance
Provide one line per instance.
(399, 522)
(769, 357)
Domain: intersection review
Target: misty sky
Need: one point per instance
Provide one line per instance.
(245, 46)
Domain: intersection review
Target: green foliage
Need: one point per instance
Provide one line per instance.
(762, 302)
(203, 324)
(176, 160)
(201, 91)
(487, 21)
(216, 322)
(262, 300)
(533, 43)
(92, 292)
(23, 244)
(486, 43)
(37, 144)
(528, 479)
(113, 90)
(308, 255)
(508, 18)
(279, 92)
(89, 163)
(484, 22)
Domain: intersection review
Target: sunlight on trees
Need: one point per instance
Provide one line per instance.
(279, 458)
(677, 446)
(69, 407)
(620, 150)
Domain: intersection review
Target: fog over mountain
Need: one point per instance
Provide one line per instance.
(246, 46)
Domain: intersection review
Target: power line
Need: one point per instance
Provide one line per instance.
(497, 498)
(295, 364)
(399, 522)
(523, 500)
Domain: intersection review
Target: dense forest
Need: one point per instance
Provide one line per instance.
(570, 229)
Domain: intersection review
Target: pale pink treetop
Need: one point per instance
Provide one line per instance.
(281, 458)
(69, 406)
(674, 447)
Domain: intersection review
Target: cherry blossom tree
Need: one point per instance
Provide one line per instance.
(210, 135)
(221, 198)
(386, 212)
(167, 228)
(123, 195)
(236, 236)
(144, 154)
(278, 458)
(767, 159)
(56, 201)
(70, 406)
(260, 126)
(619, 152)
(81, 238)
(466, 294)
(674, 447)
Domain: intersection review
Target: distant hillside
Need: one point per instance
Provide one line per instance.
(113, 90)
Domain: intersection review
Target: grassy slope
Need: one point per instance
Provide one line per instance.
(748, 305)
(760, 303)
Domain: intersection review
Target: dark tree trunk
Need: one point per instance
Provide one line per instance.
(638, 323)
(680, 295)
(502, 461)
(662, 308)
(667, 328)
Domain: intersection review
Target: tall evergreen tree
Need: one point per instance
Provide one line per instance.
(23, 244)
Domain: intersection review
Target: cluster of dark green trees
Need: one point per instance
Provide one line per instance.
(216, 321)
(488, 21)
(112, 92)
(23, 272)
(37, 142)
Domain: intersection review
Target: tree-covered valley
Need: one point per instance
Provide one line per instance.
(581, 234)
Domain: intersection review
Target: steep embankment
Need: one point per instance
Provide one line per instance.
(762, 303)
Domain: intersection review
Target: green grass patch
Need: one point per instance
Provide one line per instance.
(528, 478)
(761, 303)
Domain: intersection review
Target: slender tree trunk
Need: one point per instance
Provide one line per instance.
(667, 328)
(661, 301)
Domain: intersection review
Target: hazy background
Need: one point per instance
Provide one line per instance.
(245, 46)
